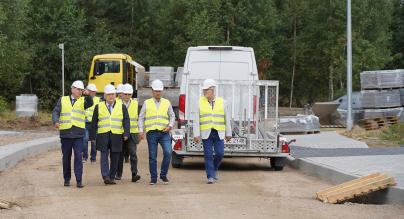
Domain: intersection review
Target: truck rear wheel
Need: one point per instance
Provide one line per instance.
(277, 163)
(176, 160)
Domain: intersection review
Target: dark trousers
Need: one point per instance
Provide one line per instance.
(75, 145)
(131, 147)
(85, 145)
(109, 169)
(213, 149)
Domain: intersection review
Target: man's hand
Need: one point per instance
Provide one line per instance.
(197, 139)
(227, 138)
(86, 92)
(167, 129)
(125, 138)
(56, 125)
(141, 135)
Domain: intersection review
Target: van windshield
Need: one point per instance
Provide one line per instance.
(106, 66)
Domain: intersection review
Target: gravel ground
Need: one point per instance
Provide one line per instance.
(247, 189)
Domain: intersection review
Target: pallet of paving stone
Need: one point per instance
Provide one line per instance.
(355, 188)
(381, 79)
(380, 99)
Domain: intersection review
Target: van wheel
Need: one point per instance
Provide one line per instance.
(176, 161)
(277, 163)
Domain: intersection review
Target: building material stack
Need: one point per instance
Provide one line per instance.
(381, 98)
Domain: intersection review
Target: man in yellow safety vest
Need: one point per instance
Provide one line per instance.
(131, 144)
(110, 127)
(212, 125)
(157, 118)
(68, 117)
(89, 117)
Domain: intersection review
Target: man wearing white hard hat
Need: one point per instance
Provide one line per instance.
(131, 144)
(109, 127)
(157, 118)
(119, 89)
(89, 117)
(69, 117)
(211, 126)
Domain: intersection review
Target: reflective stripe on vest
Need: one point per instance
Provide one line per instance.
(156, 119)
(211, 118)
(90, 110)
(72, 115)
(133, 115)
(110, 122)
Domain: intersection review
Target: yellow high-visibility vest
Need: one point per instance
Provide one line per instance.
(90, 110)
(110, 122)
(133, 115)
(211, 118)
(156, 119)
(72, 115)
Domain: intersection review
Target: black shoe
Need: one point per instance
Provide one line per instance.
(80, 185)
(107, 180)
(67, 183)
(112, 182)
(118, 177)
(164, 179)
(92, 161)
(152, 182)
(135, 178)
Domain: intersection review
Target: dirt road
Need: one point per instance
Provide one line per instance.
(247, 189)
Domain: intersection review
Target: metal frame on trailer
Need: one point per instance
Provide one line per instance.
(257, 125)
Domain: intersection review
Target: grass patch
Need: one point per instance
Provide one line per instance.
(394, 133)
(9, 120)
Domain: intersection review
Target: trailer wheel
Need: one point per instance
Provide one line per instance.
(176, 161)
(277, 163)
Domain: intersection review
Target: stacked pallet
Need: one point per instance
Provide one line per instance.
(382, 97)
(355, 188)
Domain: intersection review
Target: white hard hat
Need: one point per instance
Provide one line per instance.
(119, 88)
(208, 83)
(157, 85)
(109, 89)
(78, 84)
(127, 89)
(92, 87)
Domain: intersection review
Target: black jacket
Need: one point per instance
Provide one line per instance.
(104, 139)
(73, 132)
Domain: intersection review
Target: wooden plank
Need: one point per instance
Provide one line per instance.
(362, 190)
(356, 187)
(322, 192)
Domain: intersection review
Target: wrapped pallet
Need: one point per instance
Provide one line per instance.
(381, 79)
(380, 98)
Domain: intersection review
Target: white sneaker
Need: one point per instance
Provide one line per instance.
(211, 181)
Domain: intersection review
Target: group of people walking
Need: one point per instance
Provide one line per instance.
(115, 126)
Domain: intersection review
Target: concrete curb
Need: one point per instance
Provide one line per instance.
(11, 154)
(392, 195)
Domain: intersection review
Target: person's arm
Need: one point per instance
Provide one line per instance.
(140, 121)
(88, 101)
(125, 123)
(171, 116)
(195, 125)
(227, 116)
(56, 114)
(94, 124)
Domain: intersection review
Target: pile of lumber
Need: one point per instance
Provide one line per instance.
(355, 188)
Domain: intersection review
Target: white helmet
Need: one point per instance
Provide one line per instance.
(109, 89)
(127, 89)
(92, 87)
(208, 83)
(157, 85)
(78, 84)
(119, 88)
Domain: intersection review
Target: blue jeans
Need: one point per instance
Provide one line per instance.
(212, 162)
(69, 144)
(85, 145)
(153, 139)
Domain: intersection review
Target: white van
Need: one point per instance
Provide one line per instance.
(254, 104)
